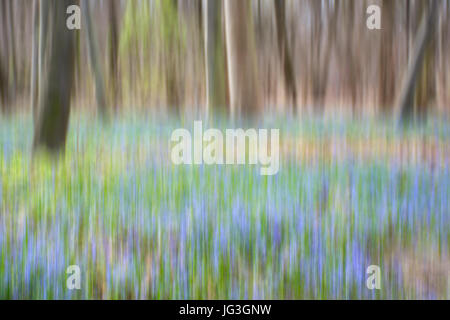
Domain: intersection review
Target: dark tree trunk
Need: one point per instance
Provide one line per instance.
(4, 64)
(3, 88)
(387, 65)
(113, 51)
(12, 48)
(54, 97)
(215, 79)
(283, 49)
(34, 58)
(416, 67)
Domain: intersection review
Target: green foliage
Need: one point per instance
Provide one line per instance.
(152, 39)
(140, 227)
(136, 25)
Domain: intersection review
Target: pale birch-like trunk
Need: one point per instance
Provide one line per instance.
(241, 57)
(94, 57)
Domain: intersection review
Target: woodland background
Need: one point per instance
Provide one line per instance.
(364, 173)
(308, 56)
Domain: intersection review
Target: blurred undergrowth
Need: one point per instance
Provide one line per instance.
(140, 227)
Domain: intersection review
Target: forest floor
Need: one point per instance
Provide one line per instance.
(349, 194)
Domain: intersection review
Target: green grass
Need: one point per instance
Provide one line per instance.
(140, 227)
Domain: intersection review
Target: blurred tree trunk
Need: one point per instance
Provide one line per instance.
(348, 53)
(241, 56)
(422, 57)
(352, 56)
(387, 79)
(54, 98)
(426, 86)
(12, 48)
(3, 87)
(3, 59)
(34, 58)
(200, 15)
(44, 8)
(94, 58)
(171, 43)
(114, 51)
(321, 50)
(283, 49)
(5, 67)
(215, 71)
(408, 29)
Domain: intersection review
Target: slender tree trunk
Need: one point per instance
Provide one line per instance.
(408, 29)
(4, 68)
(54, 98)
(172, 70)
(241, 56)
(94, 57)
(113, 51)
(387, 66)
(321, 56)
(352, 57)
(283, 50)
(3, 59)
(423, 40)
(44, 8)
(215, 79)
(3, 87)
(34, 58)
(12, 47)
